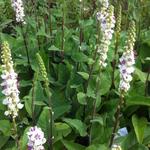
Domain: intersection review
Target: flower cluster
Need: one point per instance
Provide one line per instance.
(9, 84)
(127, 60)
(19, 10)
(42, 69)
(118, 20)
(35, 139)
(106, 19)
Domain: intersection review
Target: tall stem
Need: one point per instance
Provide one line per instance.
(94, 103)
(117, 37)
(50, 134)
(117, 119)
(33, 100)
(114, 61)
(81, 36)
(16, 134)
(92, 67)
(63, 32)
(50, 17)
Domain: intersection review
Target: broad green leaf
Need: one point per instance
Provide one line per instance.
(98, 119)
(72, 146)
(5, 127)
(24, 139)
(105, 83)
(62, 130)
(82, 98)
(84, 75)
(53, 48)
(97, 147)
(142, 76)
(139, 125)
(79, 57)
(78, 125)
(3, 140)
(138, 100)
(43, 121)
(60, 110)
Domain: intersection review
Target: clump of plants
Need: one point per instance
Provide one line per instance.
(74, 75)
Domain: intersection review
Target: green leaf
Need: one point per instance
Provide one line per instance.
(5, 127)
(139, 125)
(142, 76)
(97, 147)
(78, 125)
(79, 57)
(72, 146)
(53, 48)
(60, 110)
(3, 140)
(43, 121)
(105, 83)
(24, 139)
(98, 119)
(138, 100)
(84, 75)
(82, 98)
(62, 130)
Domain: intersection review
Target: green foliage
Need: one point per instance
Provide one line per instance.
(62, 88)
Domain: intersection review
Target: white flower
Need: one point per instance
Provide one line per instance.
(35, 138)
(9, 83)
(19, 10)
(126, 69)
(116, 147)
(107, 23)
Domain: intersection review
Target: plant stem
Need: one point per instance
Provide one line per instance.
(146, 83)
(114, 61)
(25, 44)
(50, 17)
(94, 104)
(16, 134)
(92, 67)
(50, 134)
(81, 17)
(117, 119)
(33, 100)
(63, 32)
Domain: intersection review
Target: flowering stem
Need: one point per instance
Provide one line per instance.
(16, 134)
(117, 119)
(114, 62)
(92, 67)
